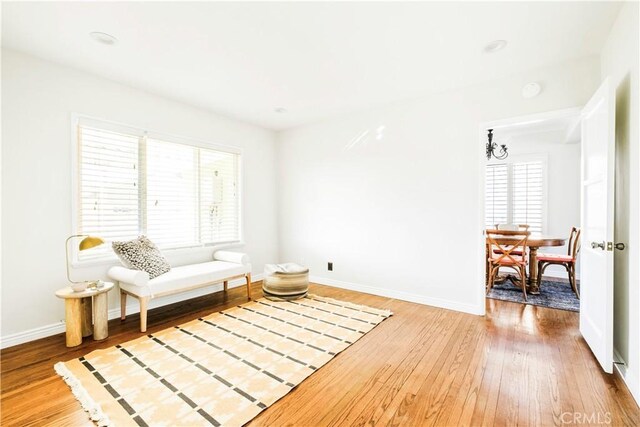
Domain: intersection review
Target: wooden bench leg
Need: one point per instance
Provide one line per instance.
(226, 285)
(143, 313)
(123, 305)
(248, 277)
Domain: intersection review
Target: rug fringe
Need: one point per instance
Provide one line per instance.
(381, 312)
(88, 404)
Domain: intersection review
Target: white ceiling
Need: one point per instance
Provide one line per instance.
(562, 129)
(315, 59)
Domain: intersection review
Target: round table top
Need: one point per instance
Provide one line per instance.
(70, 293)
(535, 240)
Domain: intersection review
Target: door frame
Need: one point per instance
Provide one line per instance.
(482, 160)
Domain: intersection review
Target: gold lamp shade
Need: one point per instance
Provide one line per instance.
(87, 243)
(90, 242)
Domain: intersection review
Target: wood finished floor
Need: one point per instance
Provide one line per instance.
(519, 365)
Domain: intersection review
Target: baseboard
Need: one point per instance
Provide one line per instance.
(31, 334)
(620, 363)
(630, 379)
(114, 313)
(404, 296)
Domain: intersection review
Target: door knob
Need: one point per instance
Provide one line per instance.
(620, 246)
(596, 245)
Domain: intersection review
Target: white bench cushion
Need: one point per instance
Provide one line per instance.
(188, 276)
(127, 275)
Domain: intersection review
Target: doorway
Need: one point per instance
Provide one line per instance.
(536, 188)
(623, 218)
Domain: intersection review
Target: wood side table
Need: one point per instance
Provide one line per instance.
(81, 308)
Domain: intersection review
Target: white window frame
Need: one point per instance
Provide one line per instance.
(524, 158)
(76, 118)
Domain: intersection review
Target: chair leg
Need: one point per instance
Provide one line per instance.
(523, 281)
(123, 305)
(487, 279)
(143, 313)
(248, 277)
(572, 279)
(487, 285)
(226, 285)
(540, 269)
(492, 276)
(490, 279)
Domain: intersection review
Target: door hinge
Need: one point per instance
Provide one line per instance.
(609, 246)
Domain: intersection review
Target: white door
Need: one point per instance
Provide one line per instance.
(596, 272)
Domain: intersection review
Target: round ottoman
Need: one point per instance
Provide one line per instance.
(287, 281)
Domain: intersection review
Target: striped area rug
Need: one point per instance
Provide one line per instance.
(223, 369)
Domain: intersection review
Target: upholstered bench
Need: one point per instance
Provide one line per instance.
(136, 283)
(287, 281)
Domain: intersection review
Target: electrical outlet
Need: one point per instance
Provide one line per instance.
(330, 266)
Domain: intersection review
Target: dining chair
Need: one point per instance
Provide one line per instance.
(511, 255)
(568, 261)
(513, 227)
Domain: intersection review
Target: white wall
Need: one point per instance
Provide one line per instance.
(563, 189)
(619, 62)
(38, 99)
(387, 211)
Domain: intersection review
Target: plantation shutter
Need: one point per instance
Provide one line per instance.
(172, 194)
(496, 195)
(192, 195)
(528, 182)
(129, 183)
(219, 208)
(108, 185)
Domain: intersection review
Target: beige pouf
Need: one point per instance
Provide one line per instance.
(287, 281)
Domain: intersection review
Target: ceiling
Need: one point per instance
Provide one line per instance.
(314, 59)
(564, 128)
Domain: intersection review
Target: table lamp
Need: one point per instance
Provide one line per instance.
(87, 243)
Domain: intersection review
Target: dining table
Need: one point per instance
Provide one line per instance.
(534, 242)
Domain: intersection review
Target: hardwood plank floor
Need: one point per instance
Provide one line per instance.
(518, 365)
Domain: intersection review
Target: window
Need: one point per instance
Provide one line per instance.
(515, 194)
(496, 195)
(131, 182)
(526, 195)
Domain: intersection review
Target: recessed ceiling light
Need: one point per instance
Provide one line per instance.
(531, 90)
(495, 46)
(280, 110)
(103, 38)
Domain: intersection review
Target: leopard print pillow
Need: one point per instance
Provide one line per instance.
(142, 254)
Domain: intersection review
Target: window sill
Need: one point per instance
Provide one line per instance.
(112, 259)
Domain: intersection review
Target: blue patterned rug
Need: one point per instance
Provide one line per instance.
(552, 295)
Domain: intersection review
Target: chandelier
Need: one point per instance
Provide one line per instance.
(492, 148)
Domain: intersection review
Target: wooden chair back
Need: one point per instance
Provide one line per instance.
(574, 243)
(504, 251)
